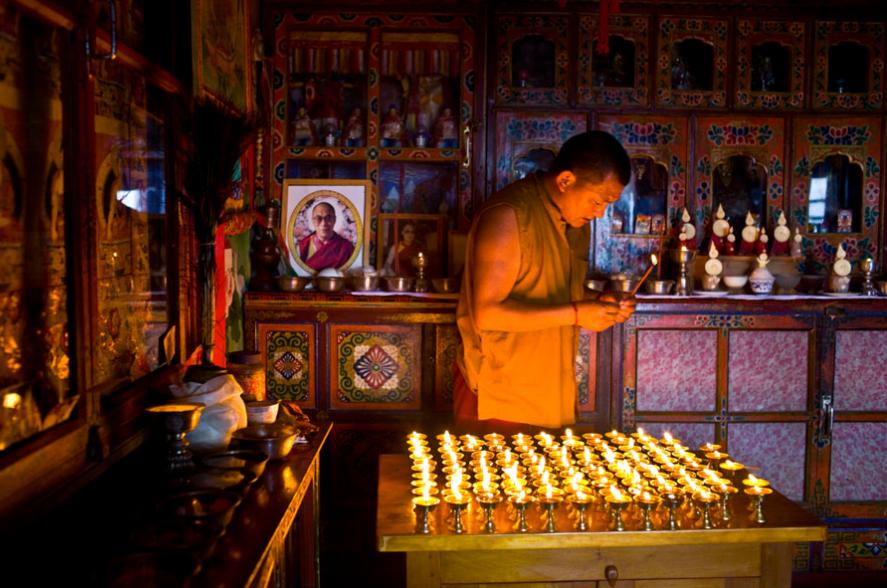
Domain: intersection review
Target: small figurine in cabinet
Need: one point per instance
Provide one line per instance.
(303, 129)
(445, 130)
(392, 128)
(354, 129)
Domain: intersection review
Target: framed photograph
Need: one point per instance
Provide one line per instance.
(326, 224)
(642, 224)
(222, 53)
(845, 220)
(657, 224)
(402, 236)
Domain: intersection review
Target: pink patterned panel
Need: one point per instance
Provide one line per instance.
(859, 463)
(768, 370)
(677, 370)
(860, 377)
(774, 451)
(691, 434)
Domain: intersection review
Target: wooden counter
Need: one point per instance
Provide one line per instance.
(742, 553)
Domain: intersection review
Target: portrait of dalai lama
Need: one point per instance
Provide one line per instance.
(323, 247)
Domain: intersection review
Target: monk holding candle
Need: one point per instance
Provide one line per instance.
(522, 299)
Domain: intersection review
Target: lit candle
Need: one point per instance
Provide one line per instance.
(753, 481)
(731, 466)
(654, 261)
(667, 439)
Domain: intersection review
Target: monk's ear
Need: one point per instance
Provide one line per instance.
(564, 180)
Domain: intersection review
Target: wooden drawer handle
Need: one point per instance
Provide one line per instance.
(611, 574)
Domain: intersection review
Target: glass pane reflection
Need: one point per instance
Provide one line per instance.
(834, 204)
(642, 207)
(739, 184)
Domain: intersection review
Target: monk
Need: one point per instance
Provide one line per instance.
(522, 300)
(324, 247)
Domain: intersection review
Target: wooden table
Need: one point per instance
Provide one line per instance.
(275, 537)
(741, 553)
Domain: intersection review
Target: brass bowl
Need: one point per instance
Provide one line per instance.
(882, 287)
(275, 441)
(398, 283)
(329, 283)
(177, 417)
(293, 283)
(445, 285)
(363, 283)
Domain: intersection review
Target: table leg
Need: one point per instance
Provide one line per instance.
(423, 569)
(776, 565)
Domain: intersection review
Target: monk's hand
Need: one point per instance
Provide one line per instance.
(624, 301)
(597, 315)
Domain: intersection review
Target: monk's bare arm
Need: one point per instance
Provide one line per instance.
(496, 264)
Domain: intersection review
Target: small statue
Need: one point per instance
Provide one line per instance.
(354, 129)
(304, 133)
(392, 128)
(781, 236)
(749, 235)
(445, 130)
(422, 137)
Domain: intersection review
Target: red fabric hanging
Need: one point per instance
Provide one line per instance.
(603, 37)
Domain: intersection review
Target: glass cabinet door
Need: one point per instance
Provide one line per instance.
(35, 381)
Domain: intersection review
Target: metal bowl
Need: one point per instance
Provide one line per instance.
(363, 283)
(596, 285)
(623, 284)
(275, 441)
(882, 287)
(250, 460)
(293, 283)
(398, 283)
(213, 505)
(445, 285)
(329, 283)
(659, 286)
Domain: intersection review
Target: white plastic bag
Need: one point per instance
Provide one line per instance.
(223, 414)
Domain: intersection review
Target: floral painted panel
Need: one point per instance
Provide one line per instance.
(610, 87)
(769, 77)
(586, 372)
(691, 70)
(375, 366)
(835, 83)
(290, 362)
(859, 462)
(721, 137)
(446, 345)
(816, 138)
(527, 142)
(532, 59)
(692, 435)
(768, 370)
(850, 549)
(676, 370)
(774, 451)
(664, 139)
(860, 378)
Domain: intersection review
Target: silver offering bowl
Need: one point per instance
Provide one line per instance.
(177, 419)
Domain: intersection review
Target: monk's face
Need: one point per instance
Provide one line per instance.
(324, 218)
(586, 200)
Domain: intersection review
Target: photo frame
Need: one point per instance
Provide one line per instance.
(222, 54)
(401, 236)
(345, 219)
